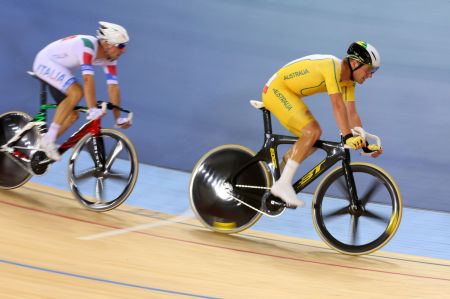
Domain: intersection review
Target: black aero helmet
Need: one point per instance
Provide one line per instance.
(364, 53)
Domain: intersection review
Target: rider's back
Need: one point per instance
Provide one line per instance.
(313, 74)
(74, 52)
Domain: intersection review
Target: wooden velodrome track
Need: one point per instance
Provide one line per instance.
(51, 247)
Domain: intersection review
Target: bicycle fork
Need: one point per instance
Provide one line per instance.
(356, 207)
(98, 152)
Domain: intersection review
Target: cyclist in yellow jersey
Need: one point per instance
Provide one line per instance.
(282, 95)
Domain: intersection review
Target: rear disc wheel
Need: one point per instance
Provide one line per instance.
(13, 171)
(210, 193)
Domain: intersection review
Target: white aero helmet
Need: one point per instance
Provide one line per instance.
(112, 33)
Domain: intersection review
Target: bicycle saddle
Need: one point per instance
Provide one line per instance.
(257, 104)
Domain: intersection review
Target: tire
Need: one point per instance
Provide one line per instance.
(13, 172)
(371, 228)
(102, 187)
(216, 209)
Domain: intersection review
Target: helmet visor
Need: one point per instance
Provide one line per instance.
(121, 45)
(374, 69)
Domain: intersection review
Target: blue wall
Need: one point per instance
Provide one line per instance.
(192, 66)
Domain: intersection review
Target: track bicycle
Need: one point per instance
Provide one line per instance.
(103, 166)
(357, 207)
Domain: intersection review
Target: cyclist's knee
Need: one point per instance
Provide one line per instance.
(74, 93)
(312, 131)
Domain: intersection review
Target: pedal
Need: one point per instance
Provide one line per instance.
(38, 162)
(288, 206)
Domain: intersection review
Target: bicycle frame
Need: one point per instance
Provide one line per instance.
(335, 152)
(92, 127)
(92, 161)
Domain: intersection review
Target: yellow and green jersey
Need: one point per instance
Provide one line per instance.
(313, 74)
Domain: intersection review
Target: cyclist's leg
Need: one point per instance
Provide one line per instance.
(309, 134)
(62, 79)
(296, 117)
(67, 123)
(58, 96)
(292, 113)
(288, 155)
(300, 150)
(64, 115)
(63, 119)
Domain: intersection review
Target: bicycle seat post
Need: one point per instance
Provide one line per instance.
(43, 97)
(267, 121)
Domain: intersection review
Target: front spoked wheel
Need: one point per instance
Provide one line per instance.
(362, 228)
(103, 170)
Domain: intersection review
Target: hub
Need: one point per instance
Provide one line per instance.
(356, 209)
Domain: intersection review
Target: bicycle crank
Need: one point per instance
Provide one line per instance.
(39, 162)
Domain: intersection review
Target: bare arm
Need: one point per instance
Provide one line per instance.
(114, 97)
(340, 113)
(89, 91)
(353, 116)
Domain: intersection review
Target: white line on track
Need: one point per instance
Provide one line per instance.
(185, 215)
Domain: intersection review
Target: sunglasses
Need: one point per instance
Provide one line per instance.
(373, 70)
(121, 46)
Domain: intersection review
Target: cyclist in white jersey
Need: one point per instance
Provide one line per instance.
(56, 64)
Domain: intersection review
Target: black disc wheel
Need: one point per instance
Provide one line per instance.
(212, 196)
(363, 227)
(13, 171)
(103, 170)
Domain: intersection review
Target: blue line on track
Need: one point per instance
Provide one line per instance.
(104, 280)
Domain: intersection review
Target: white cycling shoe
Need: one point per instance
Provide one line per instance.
(286, 193)
(50, 149)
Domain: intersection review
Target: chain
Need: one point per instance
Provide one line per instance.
(253, 187)
(251, 207)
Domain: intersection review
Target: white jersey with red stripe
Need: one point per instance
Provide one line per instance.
(58, 61)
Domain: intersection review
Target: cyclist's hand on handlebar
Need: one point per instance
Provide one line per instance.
(373, 149)
(95, 113)
(123, 122)
(355, 142)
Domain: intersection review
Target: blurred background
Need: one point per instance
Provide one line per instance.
(192, 66)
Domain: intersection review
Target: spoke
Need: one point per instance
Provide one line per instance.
(354, 225)
(370, 192)
(99, 190)
(376, 217)
(117, 176)
(338, 212)
(85, 174)
(112, 157)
